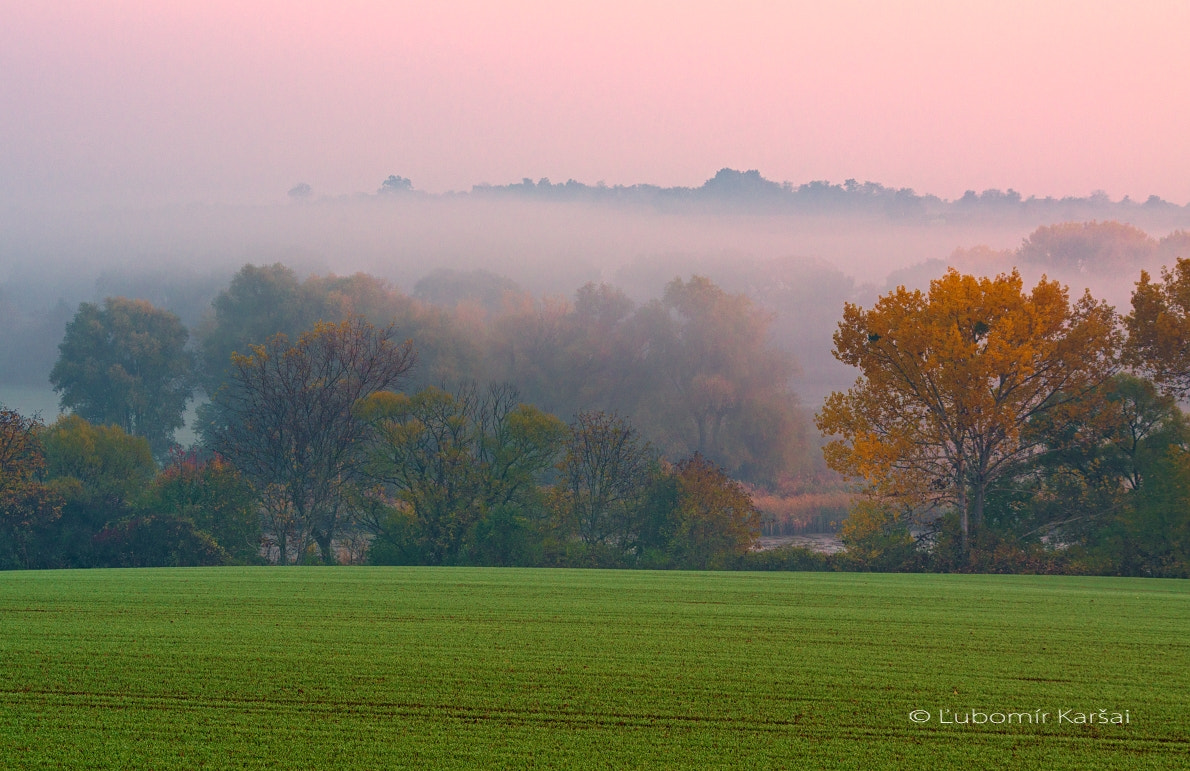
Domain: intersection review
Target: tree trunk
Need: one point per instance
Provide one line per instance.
(977, 507)
(324, 541)
(964, 524)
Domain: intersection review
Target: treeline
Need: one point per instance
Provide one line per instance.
(696, 370)
(328, 437)
(991, 428)
(803, 295)
(456, 479)
(1094, 249)
(750, 191)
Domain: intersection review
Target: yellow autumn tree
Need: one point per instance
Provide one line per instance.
(951, 381)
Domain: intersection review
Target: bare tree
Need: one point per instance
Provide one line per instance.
(286, 419)
(606, 473)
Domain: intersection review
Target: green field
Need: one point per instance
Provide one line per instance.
(490, 668)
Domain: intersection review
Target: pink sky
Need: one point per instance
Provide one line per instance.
(146, 101)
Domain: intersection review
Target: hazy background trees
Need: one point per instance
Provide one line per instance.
(697, 365)
(126, 364)
(696, 370)
(263, 301)
(717, 386)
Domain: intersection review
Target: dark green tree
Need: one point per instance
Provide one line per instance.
(126, 364)
(460, 469)
(1114, 484)
(209, 493)
(100, 472)
(1151, 536)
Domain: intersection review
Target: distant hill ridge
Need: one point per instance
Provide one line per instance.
(749, 190)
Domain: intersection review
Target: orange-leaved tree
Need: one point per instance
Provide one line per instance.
(951, 381)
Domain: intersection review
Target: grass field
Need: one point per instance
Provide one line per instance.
(490, 668)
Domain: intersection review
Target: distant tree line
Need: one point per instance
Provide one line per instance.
(991, 428)
(750, 191)
(695, 370)
(320, 442)
(432, 478)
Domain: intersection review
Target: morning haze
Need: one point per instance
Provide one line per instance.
(798, 250)
(167, 145)
(832, 356)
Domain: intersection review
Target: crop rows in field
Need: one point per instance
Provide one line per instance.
(416, 667)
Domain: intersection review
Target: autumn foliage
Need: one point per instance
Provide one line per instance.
(993, 427)
(27, 503)
(951, 381)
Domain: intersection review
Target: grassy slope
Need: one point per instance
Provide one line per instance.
(329, 667)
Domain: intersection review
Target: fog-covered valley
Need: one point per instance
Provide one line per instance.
(797, 252)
